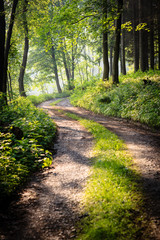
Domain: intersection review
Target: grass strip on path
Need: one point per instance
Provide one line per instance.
(112, 198)
(56, 102)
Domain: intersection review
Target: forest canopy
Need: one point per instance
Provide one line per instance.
(56, 45)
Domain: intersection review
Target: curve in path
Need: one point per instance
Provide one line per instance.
(144, 145)
(48, 208)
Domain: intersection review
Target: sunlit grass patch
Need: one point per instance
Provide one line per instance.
(55, 102)
(112, 198)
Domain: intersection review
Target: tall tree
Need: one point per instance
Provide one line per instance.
(105, 43)
(25, 54)
(5, 44)
(8, 44)
(115, 78)
(135, 35)
(2, 44)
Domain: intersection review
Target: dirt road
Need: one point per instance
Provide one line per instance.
(49, 206)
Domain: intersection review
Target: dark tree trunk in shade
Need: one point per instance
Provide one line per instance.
(151, 34)
(158, 30)
(25, 53)
(115, 78)
(135, 35)
(8, 44)
(143, 37)
(111, 58)
(55, 70)
(66, 70)
(105, 44)
(105, 57)
(123, 58)
(2, 45)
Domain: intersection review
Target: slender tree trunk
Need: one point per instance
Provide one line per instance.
(56, 70)
(8, 44)
(115, 78)
(10, 85)
(143, 37)
(105, 57)
(151, 33)
(135, 35)
(105, 44)
(158, 30)
(66, 70)
(2, 45)
(123, 57)
(73, 58)
(111, 58)
(25, 53)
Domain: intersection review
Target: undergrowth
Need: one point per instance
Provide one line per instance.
(132, 98)
(25, 135)
(112, 198)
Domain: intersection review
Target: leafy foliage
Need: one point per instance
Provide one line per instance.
(25, 134)
(132, 98)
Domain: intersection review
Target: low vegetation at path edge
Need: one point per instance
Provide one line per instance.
(26, 135)
(112, 198)
(45, 97)
(137, 97)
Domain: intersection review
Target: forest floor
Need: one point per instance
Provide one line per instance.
(49, 206)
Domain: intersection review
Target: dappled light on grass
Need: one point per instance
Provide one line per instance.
(112, 199)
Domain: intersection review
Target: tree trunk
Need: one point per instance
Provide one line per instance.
(66, 70)
(105, 57)
(105, 44)
(135, 35)
(158, 28)
(8, 44)
(151, 33)
(115, 78)
(123, 58)
(111, 57)
(55, 70)
(73, 58)
(143, 37)
(25, 53)
(2, 44)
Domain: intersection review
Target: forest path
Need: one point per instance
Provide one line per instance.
(144, 145)
(49, 206)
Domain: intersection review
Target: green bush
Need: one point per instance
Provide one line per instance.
(131, 99)
(24, 151)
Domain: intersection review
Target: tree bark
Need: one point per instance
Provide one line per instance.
(115, 78)
(25, 53)
(2, 44)
(105, 57)
(123, 58)
(55, 70)
(66, 70)
(151, 33)
(143, 37)
(105, 45)
(8, 44)
(111, 57)
(135, 35)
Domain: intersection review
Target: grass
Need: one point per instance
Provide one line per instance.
(112, 197)
(131, 99)
(55, 102)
